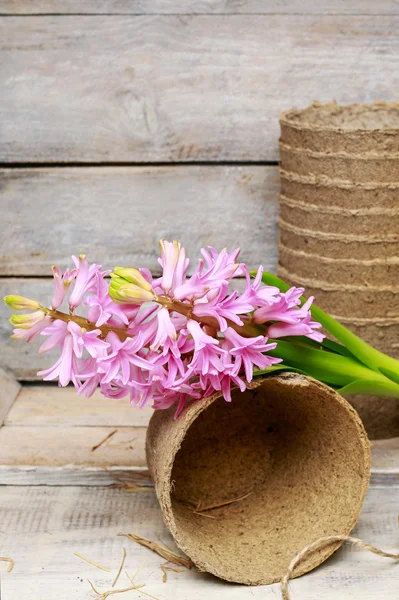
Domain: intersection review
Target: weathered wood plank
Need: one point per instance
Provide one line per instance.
(169, 88)
(9, 390)
(82, 476)
(117, 215)
(49, 433)
(43, 527)
(188, 7)
(385, 456)
(61, 446)
(50, 406)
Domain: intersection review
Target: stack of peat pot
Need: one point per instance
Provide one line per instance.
(339, 225)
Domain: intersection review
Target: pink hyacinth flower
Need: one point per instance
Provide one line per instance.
(87, 340)
(31, 333)
(84, 281)
(166, 334)
(207, 351)
(220, 269)
(305, 327)
(61, 285)
(102, 308)
(174, 264)
(65, 368)
(248, 352)
(56, 332)
(123, 354)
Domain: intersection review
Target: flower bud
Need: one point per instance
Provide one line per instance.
(21, 303)
(28, 320)
(123, 292)
(133, 276)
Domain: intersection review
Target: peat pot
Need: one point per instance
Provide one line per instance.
(244, 486)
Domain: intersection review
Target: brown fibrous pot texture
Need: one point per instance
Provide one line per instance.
(346, 271)
(292, 449)
(353, 129)
(339, 224)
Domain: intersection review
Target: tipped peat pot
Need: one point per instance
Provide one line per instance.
(339, 225)
(284, 463)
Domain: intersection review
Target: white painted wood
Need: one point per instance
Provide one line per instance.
(385, 456)
(117, 215)
(9, 390)
(49, 435)
(77, 475)
(170, 88)
(51, 406)
(64, 446)
(110, 476)
(42, 528)
(187, 7)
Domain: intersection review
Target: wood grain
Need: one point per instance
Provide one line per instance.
(62, 446)
(188, 7)
(43, 527)
(117, 215)
(49, 435)
(9, 390)
(84, 476)
(50, 406)
(174, 88)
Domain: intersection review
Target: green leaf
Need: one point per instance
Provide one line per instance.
(374, 388)
(326, 366)
(390, 374)
(279, 367)
(337, 348)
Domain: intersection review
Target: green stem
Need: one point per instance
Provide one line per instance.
(247, 330)
(342, 372)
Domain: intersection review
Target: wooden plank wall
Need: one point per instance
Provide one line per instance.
(122, 121)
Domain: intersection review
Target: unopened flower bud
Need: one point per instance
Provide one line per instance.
(133, 276)
(21, 303)
(28, 320)
(123, 292)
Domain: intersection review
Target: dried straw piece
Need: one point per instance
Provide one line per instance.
(139, 586)
(104, 595)
(200, 510)
(164, 551)
(324, 541)
(92, 563)
(9, 560)
(120, 568)
(165, 568)
(104, 440)
(201, 514)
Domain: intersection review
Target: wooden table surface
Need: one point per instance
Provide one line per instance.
(58, 497)
(122, 121)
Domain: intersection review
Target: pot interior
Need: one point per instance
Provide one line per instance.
(282, 465)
